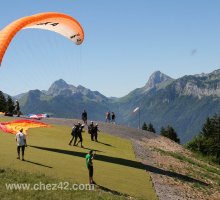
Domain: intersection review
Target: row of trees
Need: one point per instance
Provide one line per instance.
(168, 131)
(148, 127)
(6, 104)
(207, 141)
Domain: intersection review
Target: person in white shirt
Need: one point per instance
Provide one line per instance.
(21, 143)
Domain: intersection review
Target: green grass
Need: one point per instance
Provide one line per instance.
(211, 172)
(12, 176)
(208, 159)
(198, 186)
(115, 166)
(181, 157)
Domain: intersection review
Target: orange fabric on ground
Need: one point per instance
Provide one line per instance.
(14, 126)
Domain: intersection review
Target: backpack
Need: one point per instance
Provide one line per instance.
(74, 130)
(90, 129)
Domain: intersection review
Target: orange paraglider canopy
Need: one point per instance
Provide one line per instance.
(14, 126)
(57, 22)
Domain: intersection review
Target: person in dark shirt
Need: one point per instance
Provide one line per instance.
(75, 128)
(113, 117)
(84, 117)
(17, 108)
(79, 135)
(95, 132)
(91, 130)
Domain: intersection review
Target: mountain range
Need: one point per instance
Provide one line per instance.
(183, 103)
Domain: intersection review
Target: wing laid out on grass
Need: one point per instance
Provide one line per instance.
(52, 21)
(14, 126)
(38, 116)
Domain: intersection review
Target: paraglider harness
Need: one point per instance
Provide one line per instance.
(90, 129)
(74, 130)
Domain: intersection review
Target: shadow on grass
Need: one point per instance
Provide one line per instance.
(125, 162)
(106, 144)
(35, 163)
(89, 149)
(111, 191)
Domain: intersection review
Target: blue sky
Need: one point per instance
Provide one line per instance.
(125, 42)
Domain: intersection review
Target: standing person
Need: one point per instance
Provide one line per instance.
(79, 135)
(113, 117)
(91, 130)
(17, 108)
(108, 117)
(89, 164)
(84, 117)
(95, 132)
(74, 132)
(21, 143)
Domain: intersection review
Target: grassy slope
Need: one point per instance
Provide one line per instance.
(65, 165)
(11, 176)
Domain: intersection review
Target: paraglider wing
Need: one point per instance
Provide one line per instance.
(57, 22)
(14, 126)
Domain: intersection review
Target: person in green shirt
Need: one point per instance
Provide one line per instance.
(89, 165)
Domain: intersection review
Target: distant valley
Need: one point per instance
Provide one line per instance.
(183, 103)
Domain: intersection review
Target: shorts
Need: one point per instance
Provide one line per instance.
(90, 168)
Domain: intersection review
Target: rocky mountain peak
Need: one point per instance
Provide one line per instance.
(156, 78)
(82, 89)
(61, 84)
(199, 85)
(59, 87)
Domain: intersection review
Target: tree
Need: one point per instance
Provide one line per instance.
(148, 127)
(208, 128)
(151, 128)
(2, 102)
(170, 133)
(10, 105)
(144, 127)
(162, 131)
(207, 141)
